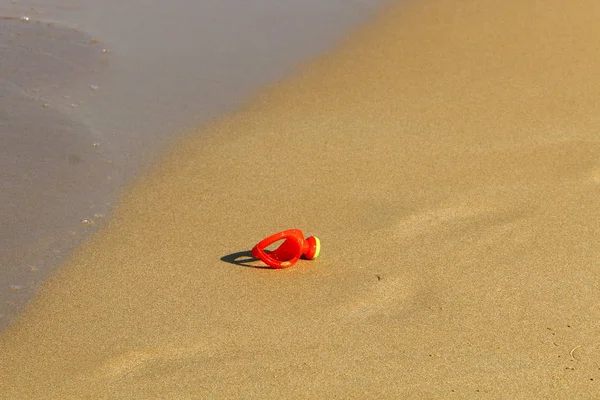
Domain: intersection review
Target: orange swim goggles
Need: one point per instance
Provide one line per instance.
(293, 247)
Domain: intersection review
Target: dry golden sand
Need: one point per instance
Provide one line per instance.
(449, 158)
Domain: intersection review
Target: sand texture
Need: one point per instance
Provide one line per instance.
(448, 156)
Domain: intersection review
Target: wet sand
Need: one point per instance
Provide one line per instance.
(91, 91)
(448, 158)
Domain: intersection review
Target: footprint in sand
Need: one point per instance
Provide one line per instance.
(127, 363)
(138, 361)
(386, 294)
(397, 287)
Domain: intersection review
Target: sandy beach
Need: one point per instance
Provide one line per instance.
(447, 155)
(91, 92)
